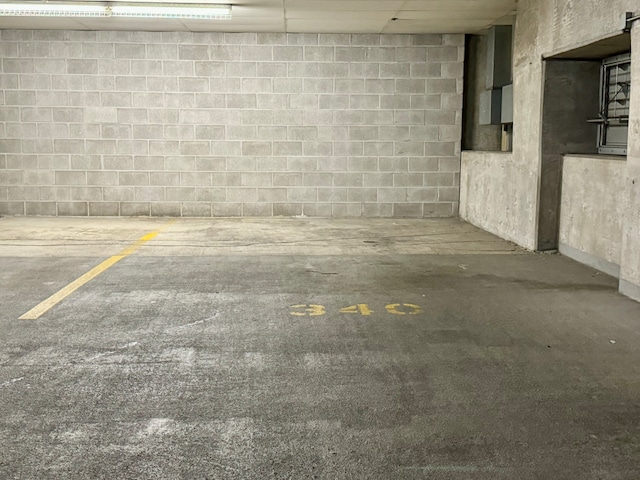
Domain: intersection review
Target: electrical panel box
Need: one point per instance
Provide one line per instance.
(507, 104)
(490, 107)
(499, 52)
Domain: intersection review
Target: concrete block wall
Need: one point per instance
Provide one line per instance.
(219, 124)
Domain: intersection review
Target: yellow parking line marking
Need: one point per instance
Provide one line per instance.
(46, 305)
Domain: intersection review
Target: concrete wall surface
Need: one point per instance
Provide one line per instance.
(545, 28)
(630, 262)
(592, 210)
(144, 123)
(490, 187)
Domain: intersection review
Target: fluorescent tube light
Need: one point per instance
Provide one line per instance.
(132, 10)
(51, 10)
(171, 11)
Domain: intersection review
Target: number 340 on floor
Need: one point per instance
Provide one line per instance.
(311, 310)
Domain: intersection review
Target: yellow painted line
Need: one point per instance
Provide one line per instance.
(46, 305)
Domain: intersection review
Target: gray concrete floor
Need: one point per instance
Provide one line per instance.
(455, 356)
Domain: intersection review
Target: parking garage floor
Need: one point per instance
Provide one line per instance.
(308, 348)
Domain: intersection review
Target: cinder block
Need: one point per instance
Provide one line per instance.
(302, 38)
(408, 179)
(351, 179)
(23, 193)
(287, 85)
(210, 164)
(73, 209)
(363, 164)
(104, 209)
(445, 54)
(363, 133)
(86, 194)
(257, 209)
(436, 149)
(12, 208)
(199, 147)
(271, 164)
(350, 54)
(195, 179)
(162, 51)
(271, 39)
(40, 208)
(407, 210)
(423, 164)
(271, 69)
(180, 163)
(151, 194)
(316, 210)
(227, 209)
(227, 53)
(395, 102)
(378, 180)
(256, 179)
(377, 210)
(102, 178)
(135, 209)
(82, 67)
(288, 54)
(438, 209)
(271, 195)
(348, 148)
(426, 70)
(242, 194)
(114, 67)
(409, 117)
(409, 149)
(166, 209)
(347, 210)
(395, 70)
(193, 52)
(304, 70)
(211, 194)
(381, 54)
(196, 209)
(70, 178)
(287, 179)
(133, 178)
(301, 195)
(427, 39)
(448, 194)
(362, 194)
(263, 53)
(22, 98)
(364, 101)
(287, 209)
(118, 194)
(148, 162)
(422, 195)
(130, 50)
(442, 85)
(334, 39)
(332, 194)
(226, 179)
(180, 194)
(393, 164)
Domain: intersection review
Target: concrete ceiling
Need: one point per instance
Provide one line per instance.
(313, 16)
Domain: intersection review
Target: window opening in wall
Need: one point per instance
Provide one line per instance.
(615, 89)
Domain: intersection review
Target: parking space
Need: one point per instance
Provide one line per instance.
(309, 348)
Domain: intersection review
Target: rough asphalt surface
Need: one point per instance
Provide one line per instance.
(385, 366)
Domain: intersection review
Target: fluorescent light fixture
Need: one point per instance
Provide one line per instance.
(52, 10)
(222, 12)
(130, 10)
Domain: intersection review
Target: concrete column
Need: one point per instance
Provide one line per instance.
(630, 261)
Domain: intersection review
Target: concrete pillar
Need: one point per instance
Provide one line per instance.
(630, 261)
